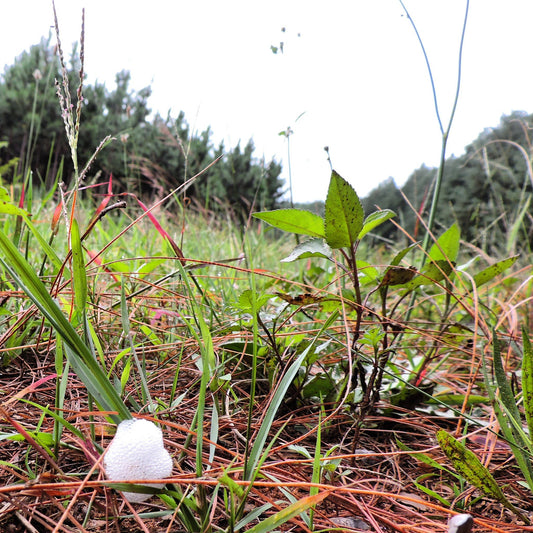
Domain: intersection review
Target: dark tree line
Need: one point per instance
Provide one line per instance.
(150, 154)
(486, 191)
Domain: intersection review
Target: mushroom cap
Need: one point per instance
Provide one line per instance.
(137, 452)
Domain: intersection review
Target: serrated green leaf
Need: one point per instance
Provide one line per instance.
(494, 270)
(295, 221)
(247, 302)
(344, 214)
(374, 220)
(310, 248)
(447, 246)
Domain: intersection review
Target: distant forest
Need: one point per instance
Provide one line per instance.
(149, 154)
(486, 191)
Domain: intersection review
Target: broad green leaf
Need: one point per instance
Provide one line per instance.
(402, 253)
(294, 221)
(374, 220)
(344, 214)
(310, 248)
(367, 273)
(398, 275)
(78, 269)
(431, 273)
(320, 386)
(527, 380)
(7, 207)
(447, 246)
(494, 270)
(247, 302)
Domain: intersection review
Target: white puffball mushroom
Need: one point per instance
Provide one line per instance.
(137, 452)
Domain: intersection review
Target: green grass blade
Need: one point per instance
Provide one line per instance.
(79, 273)
(506, 394)
(527, 380)
(276, 401)
(141, 368)
(507, 427)
(80, 357)
(279, 518)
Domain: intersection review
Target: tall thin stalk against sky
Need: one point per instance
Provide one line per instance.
(445, 133)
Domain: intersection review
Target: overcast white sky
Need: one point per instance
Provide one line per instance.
(356, 71)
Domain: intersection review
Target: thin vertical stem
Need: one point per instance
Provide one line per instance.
(445, 133)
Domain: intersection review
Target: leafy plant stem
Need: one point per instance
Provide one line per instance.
(357, 289)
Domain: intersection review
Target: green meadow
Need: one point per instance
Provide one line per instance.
(307, 372)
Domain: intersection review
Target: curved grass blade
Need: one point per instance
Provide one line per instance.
(276, 401)
(296, 508)
(79, 273)
(80, 356)
(527, 380)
